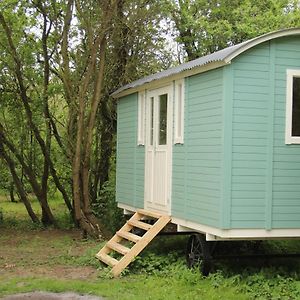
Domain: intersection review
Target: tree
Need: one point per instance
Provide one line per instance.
(207, 26)
(61, 61)
(18, 71)
(113, 35)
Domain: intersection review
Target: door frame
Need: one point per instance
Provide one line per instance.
(168, 89)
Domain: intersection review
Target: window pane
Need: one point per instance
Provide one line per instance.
(151, 119)
(163, 106)
(296, 107)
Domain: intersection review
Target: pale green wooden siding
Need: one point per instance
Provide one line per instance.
(265, 175)
(130, 157)
(250, 137)
(286, 171)
(196, 180)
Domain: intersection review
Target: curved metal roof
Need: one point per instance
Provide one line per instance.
(223, 56)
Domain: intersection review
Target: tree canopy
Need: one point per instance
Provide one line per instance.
(207, 26)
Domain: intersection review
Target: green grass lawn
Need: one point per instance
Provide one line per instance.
(37, 259)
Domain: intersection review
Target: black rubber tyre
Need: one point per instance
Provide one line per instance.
(198, 253)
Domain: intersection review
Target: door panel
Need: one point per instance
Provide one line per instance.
(160, 179)
(158, 150)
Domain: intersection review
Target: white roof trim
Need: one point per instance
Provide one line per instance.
(261, 39)
(202, 64)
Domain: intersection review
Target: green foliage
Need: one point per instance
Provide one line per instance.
(4, 177)
(136, 48)
(207, 26)
(151, 263)
(105, 207)
(268, 285)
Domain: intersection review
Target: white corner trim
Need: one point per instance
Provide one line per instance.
(141, 118)
(179, 112)
(289, 139)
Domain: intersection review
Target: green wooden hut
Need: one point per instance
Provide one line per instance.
(214, 143)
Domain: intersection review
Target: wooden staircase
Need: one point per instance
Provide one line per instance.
(127, 244)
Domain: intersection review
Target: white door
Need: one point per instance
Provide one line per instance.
(158, 150)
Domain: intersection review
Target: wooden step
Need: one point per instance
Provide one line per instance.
(138, 247)
(107, 259)
(149, 213)
(139, 224)
(140, 242)
(118, 247)
(129, 236)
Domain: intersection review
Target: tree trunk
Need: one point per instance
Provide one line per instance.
(30, 174)
(11, 165)
(11, 192)
(83, 94)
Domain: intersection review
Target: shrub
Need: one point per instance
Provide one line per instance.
(105, 207)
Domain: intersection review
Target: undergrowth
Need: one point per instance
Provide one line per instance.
(159, 272)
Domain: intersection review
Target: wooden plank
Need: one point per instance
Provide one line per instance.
(138, 247)
(139, 224)
(118, 247)
(128, 236)
(104, 250)
(107, 259)
(149, 213)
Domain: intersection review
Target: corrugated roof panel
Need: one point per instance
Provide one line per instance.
(219, 56)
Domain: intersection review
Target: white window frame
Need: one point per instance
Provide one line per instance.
(289, 139)
(179, 112)
(141, 118)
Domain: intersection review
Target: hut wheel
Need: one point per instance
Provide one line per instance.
(198, 252)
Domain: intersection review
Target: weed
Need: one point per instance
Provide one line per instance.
(261, 286)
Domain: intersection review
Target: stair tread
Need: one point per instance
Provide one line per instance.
(129, 236)
(118, 247)
(138, 247)
(107, 259)
(139, 224)
(140, 241)
(149, 213)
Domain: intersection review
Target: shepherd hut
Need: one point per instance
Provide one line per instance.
(213, 145)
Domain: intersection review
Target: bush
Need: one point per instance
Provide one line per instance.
(105, 207)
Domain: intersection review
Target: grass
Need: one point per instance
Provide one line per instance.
(137, 287)
(15, 214)
(57, 260)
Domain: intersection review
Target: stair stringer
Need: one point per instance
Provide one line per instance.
(141, 241)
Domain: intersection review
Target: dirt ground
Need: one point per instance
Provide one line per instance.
(19, 258)
(45, 253)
